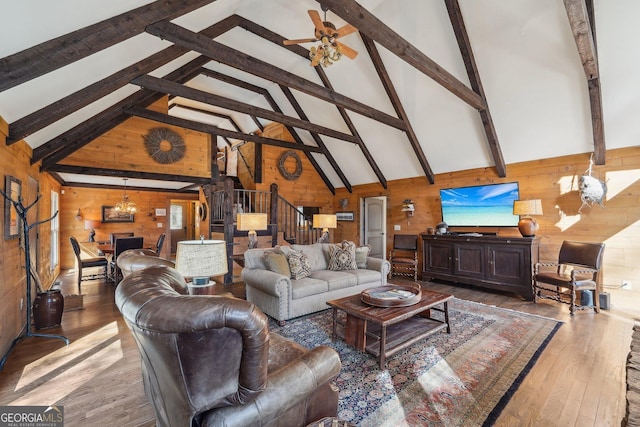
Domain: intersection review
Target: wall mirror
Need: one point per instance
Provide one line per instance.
(12, 188)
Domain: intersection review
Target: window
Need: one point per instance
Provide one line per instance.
(55, 231)
(176, 217)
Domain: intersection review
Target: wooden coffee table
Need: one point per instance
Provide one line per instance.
(382, 331)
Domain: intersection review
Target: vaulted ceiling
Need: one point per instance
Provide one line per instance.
(438, 85)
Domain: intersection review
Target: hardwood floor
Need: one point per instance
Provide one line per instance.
(579, 379)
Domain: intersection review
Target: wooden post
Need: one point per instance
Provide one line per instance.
(274, 214)
(227, 209)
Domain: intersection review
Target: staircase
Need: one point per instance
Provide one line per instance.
(284, 219)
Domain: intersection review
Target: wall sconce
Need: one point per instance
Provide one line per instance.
(325, 221)
(251, 222)
(408, 208)
(78, 215)
(525, 208)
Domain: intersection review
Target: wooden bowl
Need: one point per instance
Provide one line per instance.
(392, 295)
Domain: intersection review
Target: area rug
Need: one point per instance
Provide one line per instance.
(464, 378)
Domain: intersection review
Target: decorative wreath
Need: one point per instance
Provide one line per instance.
(291, 176)
(153, 143)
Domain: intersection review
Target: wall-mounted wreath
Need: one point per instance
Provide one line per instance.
(291, 176)
(164, 145)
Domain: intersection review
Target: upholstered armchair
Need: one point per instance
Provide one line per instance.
(211, 360)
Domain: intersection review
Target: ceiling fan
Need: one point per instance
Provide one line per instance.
(330, 49)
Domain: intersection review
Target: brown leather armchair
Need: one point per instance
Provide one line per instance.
(211, 360)
(138, 259)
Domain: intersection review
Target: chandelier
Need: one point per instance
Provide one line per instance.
(126, 205)
(326, 53)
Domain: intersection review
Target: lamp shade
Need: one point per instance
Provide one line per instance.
(325, 221)
(527, 207)
(90, 224)
(252, 221)
(201, 258)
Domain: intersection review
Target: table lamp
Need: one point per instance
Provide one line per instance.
(527, 225)
(201, 259)
(251, 222)
(91, 225)
(325, 221)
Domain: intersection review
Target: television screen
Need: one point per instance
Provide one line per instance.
(480, 206)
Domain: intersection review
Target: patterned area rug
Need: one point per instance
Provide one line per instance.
(462, 379)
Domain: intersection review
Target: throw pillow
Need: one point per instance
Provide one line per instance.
(362, 253)
(342, 258)
(299, 265)
(277, 263)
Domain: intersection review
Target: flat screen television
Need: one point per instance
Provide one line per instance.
(480, 205)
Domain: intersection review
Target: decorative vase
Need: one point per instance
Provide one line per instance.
(47, 309)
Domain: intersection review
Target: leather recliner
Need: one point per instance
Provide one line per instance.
(211, 360)
(138, 259)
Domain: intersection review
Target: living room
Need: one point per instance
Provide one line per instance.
(552, 179)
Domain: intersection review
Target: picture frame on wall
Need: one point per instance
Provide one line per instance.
(345, 216)
(13, 190)
(109, 214)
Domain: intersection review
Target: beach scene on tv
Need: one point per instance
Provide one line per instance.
(479, 206)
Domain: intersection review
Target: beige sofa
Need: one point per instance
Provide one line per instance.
(284, 298)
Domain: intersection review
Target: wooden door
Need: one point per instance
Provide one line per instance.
(375, 225)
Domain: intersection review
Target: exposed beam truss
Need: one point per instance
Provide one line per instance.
(582, 20)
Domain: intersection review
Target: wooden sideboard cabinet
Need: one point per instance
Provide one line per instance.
(504, 263)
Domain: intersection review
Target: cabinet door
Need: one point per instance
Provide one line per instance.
(438, 257)
(508, 264)
(469, 260)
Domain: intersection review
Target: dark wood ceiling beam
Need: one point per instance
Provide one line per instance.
(397, 105)
(169, 87)
(332, 161)
(82, 134)
(209, 113)
(582, 21)
(65, 106)
(236, 59)
(278, 40)
(274, 105)
(368, 24)
(56, 53)
(83, 170)
(214, 130)
(462, 37)
(85, 132)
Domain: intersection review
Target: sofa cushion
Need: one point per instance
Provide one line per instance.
(336, 279)
(362, 252)
(365, 276)
(299, 265)
(342, 257)
(317, 257)
(308, 286)
(277, 263)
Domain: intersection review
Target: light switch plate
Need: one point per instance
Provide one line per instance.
(160, 225)
(396, 227)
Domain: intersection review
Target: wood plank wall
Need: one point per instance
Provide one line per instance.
(308, 189)
(555, 182)
(90, 201)
(16, 162)
(122, 148)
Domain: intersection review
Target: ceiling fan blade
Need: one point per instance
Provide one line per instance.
(297, 41)
(347, 51)
(317, 21)
(347, 29)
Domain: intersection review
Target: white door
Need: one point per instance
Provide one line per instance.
(375, 225)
